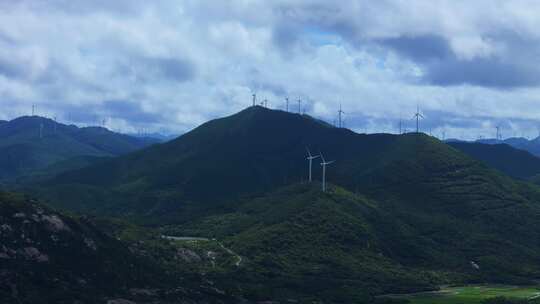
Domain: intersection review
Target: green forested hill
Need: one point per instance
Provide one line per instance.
(255, 151)
(408, 212)
(32, 143)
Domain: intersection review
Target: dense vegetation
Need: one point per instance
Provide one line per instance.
(340, 246)
(407, 212)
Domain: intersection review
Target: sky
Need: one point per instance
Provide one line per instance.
(168, 66)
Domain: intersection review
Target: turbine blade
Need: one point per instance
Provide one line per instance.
(309, 153)
(322, 157)
(421, 115)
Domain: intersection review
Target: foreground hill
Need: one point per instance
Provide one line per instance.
(509, 160)
(47, 257)
(340, 247)
(32, 143)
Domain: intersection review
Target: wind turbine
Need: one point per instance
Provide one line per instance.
(324, 164)
(310, 158)
(254, 98)
(417, 115)
(339, 114)
(287, 104)
(299, 106)
(499, 136)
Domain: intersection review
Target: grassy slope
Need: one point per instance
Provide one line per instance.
(476, 294)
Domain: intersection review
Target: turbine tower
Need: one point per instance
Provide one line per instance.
(310, 158)
(33, 109)
(287, 104)
(417, 115)
(299, 106)
(339, 115)
(254, 98)
(324, 164)
(498, 135)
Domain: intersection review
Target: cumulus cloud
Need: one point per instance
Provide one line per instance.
(170, 65)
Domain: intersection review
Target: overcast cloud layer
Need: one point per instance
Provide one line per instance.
(168, 66)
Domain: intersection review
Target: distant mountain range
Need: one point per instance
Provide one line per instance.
(532, 146)
(404, 212)
(154, 136)
(512, 161)
(31, 143)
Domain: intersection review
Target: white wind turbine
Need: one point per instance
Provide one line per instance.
(310, 158)
(324, 164)
(418, 116)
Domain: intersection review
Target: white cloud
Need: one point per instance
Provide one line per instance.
(178, 63)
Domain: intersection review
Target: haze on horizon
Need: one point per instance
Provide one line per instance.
(167, 66)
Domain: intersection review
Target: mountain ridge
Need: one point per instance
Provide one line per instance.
(31, 143)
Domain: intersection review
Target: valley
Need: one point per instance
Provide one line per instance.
(474, 294)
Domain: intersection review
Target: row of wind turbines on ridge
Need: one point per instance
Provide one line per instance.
(417, 116)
